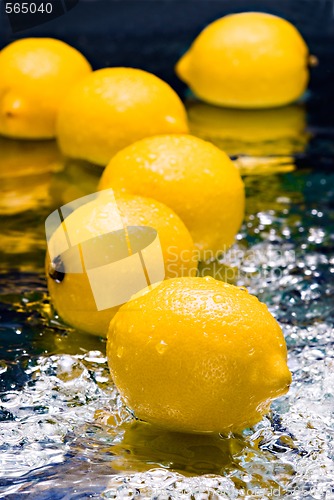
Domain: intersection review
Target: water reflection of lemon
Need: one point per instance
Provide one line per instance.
(253, 132)
(60, 342)
(78, 178)
(114, 107)
(197, 355)
(26, 168)
(144, 446)
(247, 60)
(71, 293)
(273, 193)
(197, 180)
(36, 74)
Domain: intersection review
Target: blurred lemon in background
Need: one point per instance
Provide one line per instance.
(196, 179)
(71, 293)
(197, 355)
(36, 74)
(247, 60)
(252, 132)
(114, 107)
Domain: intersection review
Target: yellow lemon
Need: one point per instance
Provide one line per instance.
(71, 292)
(197, 355)
(247, 60)
(36, 74)
(250, 131)
(196, 179)
(114, 107)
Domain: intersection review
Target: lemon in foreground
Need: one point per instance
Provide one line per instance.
(71, 289)
(196, 179)
(114, 107)
(247, 60)
(197, 355)
(36, 74)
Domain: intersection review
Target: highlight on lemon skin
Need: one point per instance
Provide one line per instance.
(71, 292)
(196, 179)
(203, 356)
(247, 60)
(36, 74)
(250, 131)
(114, 107)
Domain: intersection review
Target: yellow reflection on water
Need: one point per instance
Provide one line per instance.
(35, 179)
(26, 168)
(75, 180)
(278, 131)
(144, 447)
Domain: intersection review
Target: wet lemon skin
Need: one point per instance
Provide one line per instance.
(114, 107)
(195, 178)
(198, 355)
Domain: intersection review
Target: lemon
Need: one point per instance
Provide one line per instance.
(196, 179)
(113, 107)
(247, 60)
(250, 131)
(71, 292)
(197, 355)
(36, 74)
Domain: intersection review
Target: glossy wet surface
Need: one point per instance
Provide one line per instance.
(63, 430)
